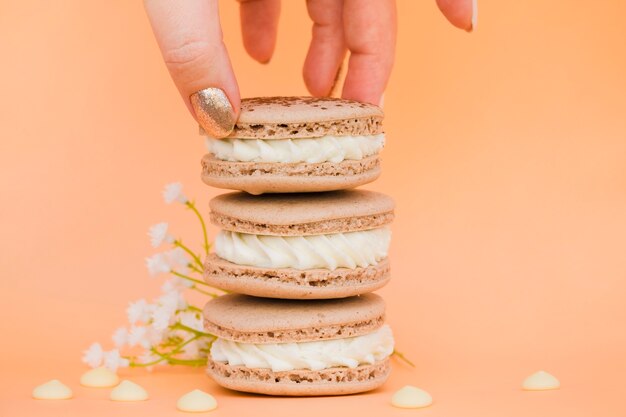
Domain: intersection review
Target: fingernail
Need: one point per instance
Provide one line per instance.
(214, 112)
(474, 15)
(381, 103)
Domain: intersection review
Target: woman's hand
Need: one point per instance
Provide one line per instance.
(190, 37)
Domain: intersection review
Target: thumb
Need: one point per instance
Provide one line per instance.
(461, 13)
(190, 38)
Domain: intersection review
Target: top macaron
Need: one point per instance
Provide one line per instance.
(297, 144)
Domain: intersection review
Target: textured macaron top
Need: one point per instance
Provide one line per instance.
(302, 214)
(305, 117)
(264, 320)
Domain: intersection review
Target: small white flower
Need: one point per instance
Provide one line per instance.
(192, 350)
(120, 337)
(172, 300)
(139, 310)
(192, 320)
(137, 336)
(175, 284)
(157, 264)
(161, 318)
(174, 192)
(94, 355)
(158, 234)
(113, 360)
(177, 256)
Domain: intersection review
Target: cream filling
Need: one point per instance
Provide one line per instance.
(314, 150)
(331, 251)
(350, 352)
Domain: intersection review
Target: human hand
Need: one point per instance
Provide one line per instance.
(190, 38)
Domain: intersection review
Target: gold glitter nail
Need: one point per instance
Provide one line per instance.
(214, 112)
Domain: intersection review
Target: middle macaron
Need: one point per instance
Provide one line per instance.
(301, 246)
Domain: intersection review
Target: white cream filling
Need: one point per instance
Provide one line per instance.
(331, 251)
(350, 352)
(313, 150)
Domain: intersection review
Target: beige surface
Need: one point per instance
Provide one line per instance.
(264, 320)
(299, 382)
(270, 177)
(294, 283)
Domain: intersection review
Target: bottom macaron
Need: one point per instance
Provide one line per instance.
(298, 348)
(300, 382)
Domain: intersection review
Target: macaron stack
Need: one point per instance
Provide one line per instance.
(299, 249)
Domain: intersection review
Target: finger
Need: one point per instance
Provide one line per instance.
(259, 25)
(327, 47)
(461, 13)
(190, 37)
(370, 33)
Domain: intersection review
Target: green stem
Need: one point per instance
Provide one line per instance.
(192, 206)
(194, 308)
(210, 294)
(401, 356)
(179, 325)
(194, 268)
(197, 281)
(184, 247)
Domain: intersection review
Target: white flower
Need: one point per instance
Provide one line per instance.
(161, 318)
(137, 336)
(113, 360)
(192, 350)
(172, 300)
(158, 234)
(175, 284)
(174, 192)
(192, 320)
(120, 337)
(94, 355)
(157, 264)
(139, 310)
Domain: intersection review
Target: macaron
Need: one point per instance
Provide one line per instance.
(298, 348)
(297, 144)
(300, 246)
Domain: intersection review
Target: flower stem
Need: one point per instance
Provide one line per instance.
(192, 206)
(183, 276)
(401, 356)
(211, 294)
(184, 247)
(179, 325)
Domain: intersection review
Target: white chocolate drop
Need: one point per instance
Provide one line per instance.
(99, 378)
(540, 381)
(52, 390)
(128, 391)
(411, 397)
(196, 401)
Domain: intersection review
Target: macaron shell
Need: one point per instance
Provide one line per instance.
(267, 177)
(293, 283)
(302, 214)
(305, 117)
(331, 381)
(265, 320)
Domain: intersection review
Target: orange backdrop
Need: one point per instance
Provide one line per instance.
(506, 156)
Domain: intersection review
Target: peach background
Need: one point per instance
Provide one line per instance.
(506, 155)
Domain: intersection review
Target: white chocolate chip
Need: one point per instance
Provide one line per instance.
(128, 391)
(539, 381)
(411, 397)
(99, 378)
(196, 401)
(52, 390)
